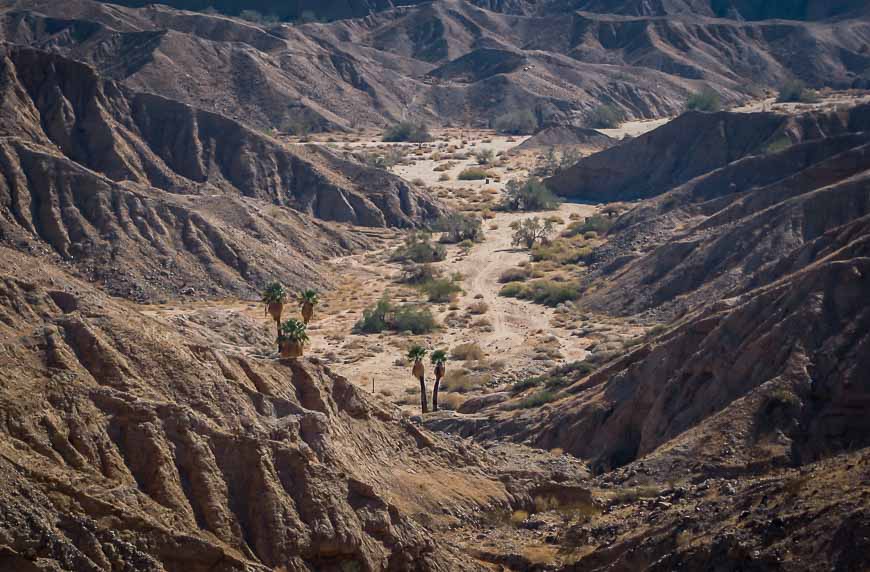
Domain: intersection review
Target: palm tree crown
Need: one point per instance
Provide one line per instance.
(417, 353)
(438, 357)
(294, 331)
(309, 297)
(275, 293)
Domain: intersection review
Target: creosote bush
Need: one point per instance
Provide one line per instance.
(473, 174)
(384, 315)
(418, 247)
(705, 100)
(407, 132)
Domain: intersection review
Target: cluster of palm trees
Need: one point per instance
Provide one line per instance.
(292, 333)
(293, 336)
(438, 358)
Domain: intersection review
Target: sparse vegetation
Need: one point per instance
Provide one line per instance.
(473, 174)
(705, 100)
(384, 315)
(531, 195)
(605, 117)
(795, 92)
(459, 227)
(521, 122)
(531, 231)
(535, 400)
(595, 223)
(440, 290)
(466, 352)
(418, 247)
(407, 132)
(546, 292)
(485, 157)
(514, 275)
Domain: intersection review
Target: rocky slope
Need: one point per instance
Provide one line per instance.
(444, 62)
(152, 197)
(126, 445)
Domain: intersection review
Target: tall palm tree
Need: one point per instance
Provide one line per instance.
(274, 297)
(417, 353)
(439, 360)
(292, 338)
(308, 299)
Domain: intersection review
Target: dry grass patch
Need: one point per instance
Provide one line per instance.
(467, 352)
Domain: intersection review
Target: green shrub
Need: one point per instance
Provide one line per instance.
(795, 92)
(705, 100)
(418, 247)
(485, 156)
(514, 275)
(384, 315)
(420, 273)
(473, 174)
(407, 132)
(521, 122)
(524, 384)
(512, 290)
(458, 227)
(413, 318)
(605, 117)
(440, 290)
(531, 195)
(531, 231)
(550, 293)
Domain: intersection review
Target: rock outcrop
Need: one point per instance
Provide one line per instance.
(445, 62)
(126, 445)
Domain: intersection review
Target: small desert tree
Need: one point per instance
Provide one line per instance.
(458, 227)
(308, 299)
(416, 354)
(292, 337)
(531, 195)
(531, 231)
(705, 100)
(485, 156)
(439, 360)
(521, 122)
(274, 298)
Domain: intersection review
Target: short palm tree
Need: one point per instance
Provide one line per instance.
(274, 297)
(292, 337)
(417, 353)
(308, 299)
(439, 360)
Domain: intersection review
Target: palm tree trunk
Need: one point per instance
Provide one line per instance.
(424, 402)
(435, 393)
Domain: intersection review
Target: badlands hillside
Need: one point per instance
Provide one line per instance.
(628, 242)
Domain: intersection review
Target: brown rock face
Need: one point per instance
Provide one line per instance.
(126, 446)
(152, 197)
(445, 62)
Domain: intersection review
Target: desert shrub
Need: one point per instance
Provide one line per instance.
(513, 290)
(564, 375)
(419, 182)
(705, 100)
(384, 315)
(419, 273)
(466, 352)
(413, 318)
(596, 223)
(531, 231)
(524, 384)
(605, 117)
(514, 275)
(450, 401)
(473, 174)
(257, 17)
(795, 92)
(407, 131)
(521, 122)
(384, 160)
(546, 292)
(781, 143)
(461, 380)
(440, 290)
(484, 156)
(444, 177)
(531, 195)
(458, 227)
(478, 308)
(418, 247)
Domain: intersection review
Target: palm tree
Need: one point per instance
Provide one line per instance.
(417, 353)
(308, 300)
(292, 338)
(274, 297)
(438, 359)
